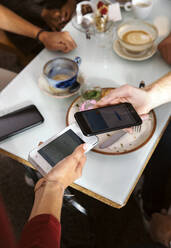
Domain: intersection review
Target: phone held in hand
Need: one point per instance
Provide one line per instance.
(48, 154)
(19, 120)
(108, 118)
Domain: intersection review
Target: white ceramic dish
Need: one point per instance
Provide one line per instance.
(123, 53)
(44, 86)
(147, 37)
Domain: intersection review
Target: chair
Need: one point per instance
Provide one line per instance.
(7, 45)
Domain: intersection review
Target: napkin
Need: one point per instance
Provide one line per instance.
(114, 12)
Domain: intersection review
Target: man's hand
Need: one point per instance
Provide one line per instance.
(58, 41)
(137, 97)
(67, 10)
(53, 19)
(161, 228)
(69, 169)
(165, 49)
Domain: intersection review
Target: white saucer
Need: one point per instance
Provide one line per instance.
(44, 86)
(121, 52)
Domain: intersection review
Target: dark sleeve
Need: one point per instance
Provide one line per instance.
(26, 8)
(41, 231)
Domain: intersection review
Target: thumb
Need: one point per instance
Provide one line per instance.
(78, 152)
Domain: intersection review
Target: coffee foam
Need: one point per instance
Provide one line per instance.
(137, 37)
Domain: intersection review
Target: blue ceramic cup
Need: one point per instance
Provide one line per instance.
(61, 72)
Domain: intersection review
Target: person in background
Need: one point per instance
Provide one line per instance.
(165, 49)
(56, 41)
(43, 228)
(49, 15)
(156, 174)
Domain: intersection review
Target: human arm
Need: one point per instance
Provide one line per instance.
(56, 18)
(165, 49)
(43, 227)
(52, 17)
(29, 9)
(67, 10)
(55, 182)
(160, 228)
(57, 41)
(143, 100)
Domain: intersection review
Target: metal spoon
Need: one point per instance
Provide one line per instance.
(86, 23)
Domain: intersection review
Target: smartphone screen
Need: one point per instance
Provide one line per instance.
(19, 120)
(109, 118)
(61, 147)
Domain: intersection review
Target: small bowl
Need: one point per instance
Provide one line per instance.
(147, 35)
(61, 73)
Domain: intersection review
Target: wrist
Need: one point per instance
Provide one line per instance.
(151, 99)
(48, 198)
(41, 35)
(49, 185)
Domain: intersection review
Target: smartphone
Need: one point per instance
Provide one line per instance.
(48, 154)
(19, 120)
(108, 118)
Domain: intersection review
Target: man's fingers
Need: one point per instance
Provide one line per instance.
(79, 151)
(76, 156)
(70, 44)
(118, 93)
(144, 117)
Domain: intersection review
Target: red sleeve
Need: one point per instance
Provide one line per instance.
(6, 235)
(42, 231)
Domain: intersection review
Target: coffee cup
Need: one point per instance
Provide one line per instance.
(141, 8)
(61, 73)
(137, 36)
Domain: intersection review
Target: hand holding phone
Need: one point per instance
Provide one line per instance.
(108, 118)
(55, 149)
(69, 169)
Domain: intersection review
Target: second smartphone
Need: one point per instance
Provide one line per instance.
(48, 154)
(19, 120)
(108, 118)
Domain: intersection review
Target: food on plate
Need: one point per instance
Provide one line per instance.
(86, 9)
(92, 94)
(105, 92)
(101, 16)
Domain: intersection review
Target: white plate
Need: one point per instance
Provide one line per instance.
(122, 52)
(127, 143)
(44, 86)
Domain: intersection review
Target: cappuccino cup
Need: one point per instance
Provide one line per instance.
(61, 73)
(137, 36)
(141, 8)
